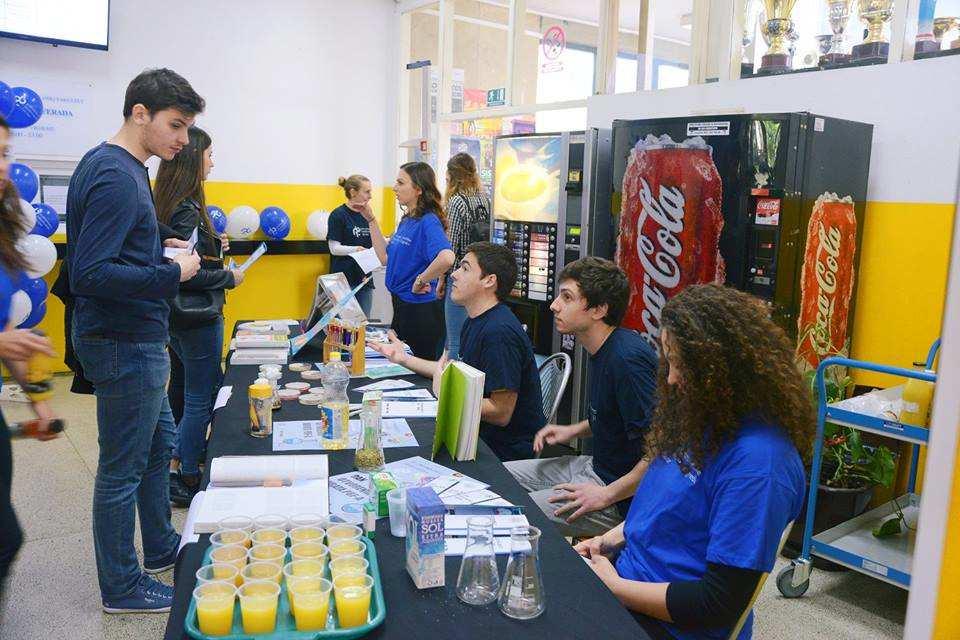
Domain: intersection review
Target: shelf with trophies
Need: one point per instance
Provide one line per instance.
(936, 35)
(788, 50)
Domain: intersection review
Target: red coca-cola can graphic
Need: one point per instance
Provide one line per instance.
(826, 280)
(670, 224)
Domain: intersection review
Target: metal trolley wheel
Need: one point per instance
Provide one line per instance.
(785, 583)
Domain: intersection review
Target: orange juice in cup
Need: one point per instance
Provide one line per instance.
(275, 553)
(302, 570)
(230, 536)
(338, 532)
(306, 534)
(215, 607)
(235, 554)
(258, 606)
(261, 571)
(348, 565)
(310, 603)
(352, 595)
(344, 548)
(217, 572)
(309, 551)
(269, 536)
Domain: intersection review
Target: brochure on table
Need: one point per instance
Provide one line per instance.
(304, 435)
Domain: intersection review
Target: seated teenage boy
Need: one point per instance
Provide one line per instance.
(587, 495)
(493, 341)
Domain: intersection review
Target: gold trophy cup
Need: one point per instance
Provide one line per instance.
(776, 33)
(874, 13)
(838, 13)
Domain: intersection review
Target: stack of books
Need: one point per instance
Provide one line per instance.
(261, 342)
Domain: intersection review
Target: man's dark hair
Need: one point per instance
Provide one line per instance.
(498, 260)
(601, 282)
(159, 89)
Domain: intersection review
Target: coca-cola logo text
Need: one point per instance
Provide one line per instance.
(827, 267)
(659, 261)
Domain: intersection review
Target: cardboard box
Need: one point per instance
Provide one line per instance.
(424, 542)
(381, 482)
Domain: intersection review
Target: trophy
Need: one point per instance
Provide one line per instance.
(875, 13)
(942, 26)
(838, 13)
(925, 42)
(777, 31)
(751, 13)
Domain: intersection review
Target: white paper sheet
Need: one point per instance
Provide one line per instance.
(257, 253)
(417, 471)
(409, 394)
(348, 492)
(386, 370)
(304, 435)
(367, 259)
(383, 385)
(410, 409)
(223, 396)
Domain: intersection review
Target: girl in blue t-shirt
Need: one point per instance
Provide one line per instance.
(725, 477)
(416, 256)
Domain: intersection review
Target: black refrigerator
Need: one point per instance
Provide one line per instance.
(772, 204)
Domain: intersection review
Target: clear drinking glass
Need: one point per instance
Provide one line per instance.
(479, 579)
(521, 594)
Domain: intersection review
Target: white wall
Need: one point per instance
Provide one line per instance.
(298, 91)
(913, 107)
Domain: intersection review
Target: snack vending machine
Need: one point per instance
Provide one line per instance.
(551, 206)
(771, 204)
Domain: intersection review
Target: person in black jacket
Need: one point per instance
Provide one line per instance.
(196, 314)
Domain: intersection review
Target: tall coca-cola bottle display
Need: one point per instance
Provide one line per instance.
(670, 225)
(750, 201)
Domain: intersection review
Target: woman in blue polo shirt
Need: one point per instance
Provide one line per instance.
(731, 424)
(417, 255)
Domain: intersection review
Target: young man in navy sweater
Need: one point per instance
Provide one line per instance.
(121, 281)
(588, 494)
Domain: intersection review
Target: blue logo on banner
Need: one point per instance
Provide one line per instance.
(27, 108)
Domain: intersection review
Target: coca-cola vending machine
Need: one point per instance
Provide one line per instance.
(551, 206)
(768, 203)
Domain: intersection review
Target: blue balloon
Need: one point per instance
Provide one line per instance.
(47, 220)
(26, 180)
(6, 100)
(36, 315)
(36, 288)
(27, 108)
(275, 222)
(218, 217)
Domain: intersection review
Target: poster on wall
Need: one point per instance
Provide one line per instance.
(49, 117)
(527, 178)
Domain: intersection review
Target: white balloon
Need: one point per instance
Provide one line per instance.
(40, 253)
(20, 307)
(317, 224)
(242, 222)
(29, 215)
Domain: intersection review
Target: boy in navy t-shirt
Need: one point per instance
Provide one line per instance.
(494, 342)
(587, 495)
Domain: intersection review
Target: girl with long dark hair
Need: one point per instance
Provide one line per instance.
(16, 346)
(196, 314)
(418, 254)
(732, 424)
(467, 205)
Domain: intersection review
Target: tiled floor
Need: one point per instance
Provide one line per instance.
(53, 590)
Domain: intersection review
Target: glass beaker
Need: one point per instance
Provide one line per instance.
(521, 594)
(479, 579)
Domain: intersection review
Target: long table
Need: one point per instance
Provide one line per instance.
(578, 605)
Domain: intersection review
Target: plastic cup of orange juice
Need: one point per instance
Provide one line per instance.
(261, 571)
(269, 536)
(217, 572)
(348, 565)
(258, 606)
(310, 603)
(302, 570)
(230, 536)
(306, 534)
(235, 554)
(344, 548)
(338, 532)
(352, 595)
(215, 607)
(274, 553)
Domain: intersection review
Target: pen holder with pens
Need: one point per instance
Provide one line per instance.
(350, 340)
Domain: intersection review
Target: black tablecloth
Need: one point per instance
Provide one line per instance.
(578, 605)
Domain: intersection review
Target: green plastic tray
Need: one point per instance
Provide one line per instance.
(286, 629)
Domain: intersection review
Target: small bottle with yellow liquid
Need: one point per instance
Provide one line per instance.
(917, 397)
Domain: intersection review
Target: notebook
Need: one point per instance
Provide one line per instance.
(458, 411)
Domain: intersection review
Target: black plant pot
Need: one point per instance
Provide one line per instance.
(834, 506)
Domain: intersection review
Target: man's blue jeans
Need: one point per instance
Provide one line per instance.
(135, 428)
(200, 351)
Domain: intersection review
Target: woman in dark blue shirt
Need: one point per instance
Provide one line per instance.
(726, 476)
(348, 231)
(417, 255)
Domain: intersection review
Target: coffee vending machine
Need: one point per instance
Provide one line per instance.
(551, 206)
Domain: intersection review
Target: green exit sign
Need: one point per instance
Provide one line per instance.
(497, 97)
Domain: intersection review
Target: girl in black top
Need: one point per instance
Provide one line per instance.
(196, 314)
(348, 231)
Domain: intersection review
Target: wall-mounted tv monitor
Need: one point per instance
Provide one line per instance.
(76, 23)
